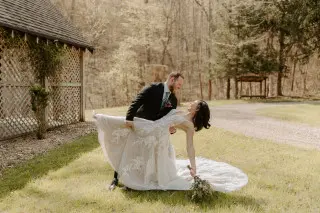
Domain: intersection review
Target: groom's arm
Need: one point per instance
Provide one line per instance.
(172, 129)
(139, 100)
(175, 103)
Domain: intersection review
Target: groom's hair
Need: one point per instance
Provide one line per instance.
(175, 75)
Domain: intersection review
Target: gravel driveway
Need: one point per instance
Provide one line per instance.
(241, 118)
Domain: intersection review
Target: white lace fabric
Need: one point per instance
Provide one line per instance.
(145, 158)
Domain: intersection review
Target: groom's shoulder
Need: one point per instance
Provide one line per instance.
(156, 85)
(152, 87)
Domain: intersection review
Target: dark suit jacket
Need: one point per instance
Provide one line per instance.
(147, 104)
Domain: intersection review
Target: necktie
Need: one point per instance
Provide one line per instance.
(166, 96)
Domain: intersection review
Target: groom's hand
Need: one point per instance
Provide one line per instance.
(172, 130)
(129, 124)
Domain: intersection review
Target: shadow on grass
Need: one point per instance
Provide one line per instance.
(182, 198)
(17, 177)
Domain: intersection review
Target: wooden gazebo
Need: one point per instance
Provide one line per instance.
(26, 21)
(253, 78)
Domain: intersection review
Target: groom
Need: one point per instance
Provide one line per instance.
(152, 103)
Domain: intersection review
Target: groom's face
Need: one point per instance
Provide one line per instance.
(175, 84)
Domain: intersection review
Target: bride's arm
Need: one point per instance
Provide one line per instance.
(190, 149)
(189, 129)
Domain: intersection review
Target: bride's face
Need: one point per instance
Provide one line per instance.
(193, 106)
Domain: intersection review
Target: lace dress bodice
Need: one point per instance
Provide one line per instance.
(161, 126)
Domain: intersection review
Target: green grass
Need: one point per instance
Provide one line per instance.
(17, 177)
(281, 179)
(74, 178)
(302, 113)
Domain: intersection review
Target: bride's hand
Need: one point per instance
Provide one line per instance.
(192, 172)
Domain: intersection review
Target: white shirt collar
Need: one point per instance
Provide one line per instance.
(166, 88)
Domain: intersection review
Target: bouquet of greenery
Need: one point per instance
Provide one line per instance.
(201, 190)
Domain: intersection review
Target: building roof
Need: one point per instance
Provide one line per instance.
(40, 18)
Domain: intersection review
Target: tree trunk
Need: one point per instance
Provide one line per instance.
(236, 91)
(209, 52)
(168, 32)
(2, 111)
(305, 90)
(228, 88)
(42, 124)
(295, 61)
(281, 63)
(200, 54)
(200, 81)
(210, 89)
(148, 51)
(127, 87)
(190, 79)
(240, 94)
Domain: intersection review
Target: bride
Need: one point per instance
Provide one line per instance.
(145, 159)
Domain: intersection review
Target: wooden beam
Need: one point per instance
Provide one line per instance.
(46, 111)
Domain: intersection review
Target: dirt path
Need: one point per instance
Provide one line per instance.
(241, 118)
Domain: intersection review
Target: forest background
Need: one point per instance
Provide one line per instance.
(212, 42)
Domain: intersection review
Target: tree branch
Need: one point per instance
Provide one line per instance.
(203, 9)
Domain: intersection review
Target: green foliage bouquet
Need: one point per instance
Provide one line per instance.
(201, 190)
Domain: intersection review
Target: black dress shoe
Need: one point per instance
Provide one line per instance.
(113, 184)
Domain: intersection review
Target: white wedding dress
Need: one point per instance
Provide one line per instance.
(145, 159)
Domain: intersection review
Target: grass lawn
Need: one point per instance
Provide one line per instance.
(303, 113)
(281, 179)
(17, 177)
(71, 178)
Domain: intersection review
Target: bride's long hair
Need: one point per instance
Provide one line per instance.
(202, 116)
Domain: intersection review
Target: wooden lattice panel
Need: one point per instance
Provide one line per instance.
(16, 77)
(70, 71)
(16, 116)
(64, 107)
